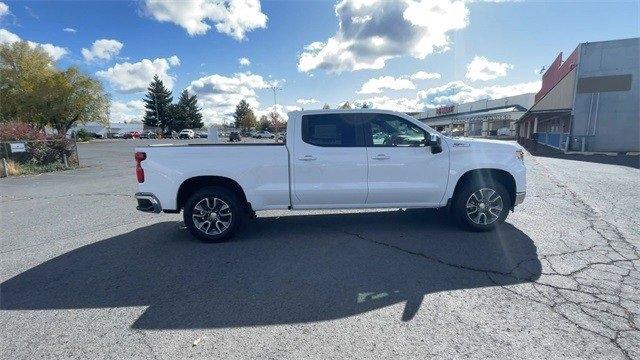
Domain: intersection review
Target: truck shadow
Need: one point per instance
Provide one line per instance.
(292, 269)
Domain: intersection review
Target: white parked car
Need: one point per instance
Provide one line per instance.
(504, 131)
(187, 134)
(265, 135)
(331, 160)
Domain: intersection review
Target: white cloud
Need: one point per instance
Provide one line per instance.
(56, 52)
(282, 110)
(458, 92)
(7, 37)
(4, 9)
(129, 111)
(174, 60)
(423, 75)
(454, 92)
(232, 17)
(372, 32)
(303, 101)
(218, 94)
(135, 77)
(103, 49)
(386, 103)
(244, 61)
(481, 68)
(70, 30)
(376, 85)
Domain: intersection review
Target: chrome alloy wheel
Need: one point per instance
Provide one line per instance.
(212, 216)
(484, 206)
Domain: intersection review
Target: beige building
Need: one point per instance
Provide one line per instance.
(589, 101)
(484, 118)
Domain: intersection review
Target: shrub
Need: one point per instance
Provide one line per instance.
(13, 168)
(83, 135)
(17, 130)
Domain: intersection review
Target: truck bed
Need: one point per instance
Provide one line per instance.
(261, 169)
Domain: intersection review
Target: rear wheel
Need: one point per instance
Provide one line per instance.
(213, 214)
(482, 205)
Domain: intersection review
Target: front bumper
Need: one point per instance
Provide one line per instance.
(148, 202)
(519, 198)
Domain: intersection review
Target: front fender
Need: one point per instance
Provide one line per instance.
(469, 158)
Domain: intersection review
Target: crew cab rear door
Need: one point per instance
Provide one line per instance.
(329, 162)
(402, 169)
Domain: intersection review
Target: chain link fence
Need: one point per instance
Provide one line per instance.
(34, 156)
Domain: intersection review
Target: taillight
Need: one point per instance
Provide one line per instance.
(140, 156)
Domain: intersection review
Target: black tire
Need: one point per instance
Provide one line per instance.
(227, 197)
(481, 186)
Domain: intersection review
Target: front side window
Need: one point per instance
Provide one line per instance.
(389, 130)
(331, 130)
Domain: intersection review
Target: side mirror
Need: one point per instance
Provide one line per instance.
(435, 142)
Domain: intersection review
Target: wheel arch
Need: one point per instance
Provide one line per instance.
(191, 185)
(485, 175)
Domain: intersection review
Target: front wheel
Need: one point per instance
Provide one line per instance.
(213, 214)
(482, 205)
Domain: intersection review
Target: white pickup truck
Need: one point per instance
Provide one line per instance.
(333, 159)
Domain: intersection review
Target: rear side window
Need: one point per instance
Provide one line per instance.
(337, 130)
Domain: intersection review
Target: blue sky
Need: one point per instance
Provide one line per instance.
(403, 55)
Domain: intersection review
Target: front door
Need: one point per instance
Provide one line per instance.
(330, 162)
(402, 169)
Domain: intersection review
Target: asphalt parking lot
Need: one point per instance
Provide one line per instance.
(84, 275)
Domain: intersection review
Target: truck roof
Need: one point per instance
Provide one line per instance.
(345, 111)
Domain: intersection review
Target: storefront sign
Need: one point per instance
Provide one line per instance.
(445, 110)
(18, 147)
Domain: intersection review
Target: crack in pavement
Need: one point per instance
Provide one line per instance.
(601, 296)
(509, 273)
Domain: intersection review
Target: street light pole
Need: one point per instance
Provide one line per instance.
(275, 88)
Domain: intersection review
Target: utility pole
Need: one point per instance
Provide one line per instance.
(275, 88)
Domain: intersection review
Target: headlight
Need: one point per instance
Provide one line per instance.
(520, 154)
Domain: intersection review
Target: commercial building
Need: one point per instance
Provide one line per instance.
(588, 102)
(483, 118)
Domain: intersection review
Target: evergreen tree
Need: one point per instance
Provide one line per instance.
(189, 105)
(345, 105)
(244, 117)
(157, 101)
(265, 125)
(177, 116)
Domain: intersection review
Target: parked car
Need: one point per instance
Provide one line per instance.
(131, 135)
(265, 135)
(332, 162)
(234, 136)
(504, 131)
(187, 134)
(170, 135)
(282, 136)
(202, 134)
(148, 135)
(114, 135)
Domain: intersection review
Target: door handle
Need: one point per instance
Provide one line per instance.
(307, 158)
(381, 157)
